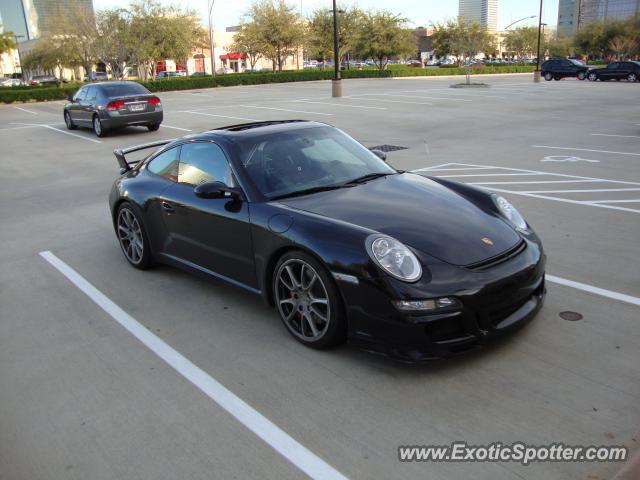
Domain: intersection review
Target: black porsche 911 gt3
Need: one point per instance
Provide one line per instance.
(343, 245)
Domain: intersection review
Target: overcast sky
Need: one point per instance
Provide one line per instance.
(420, 12)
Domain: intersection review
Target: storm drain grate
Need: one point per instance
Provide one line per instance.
(388, 148)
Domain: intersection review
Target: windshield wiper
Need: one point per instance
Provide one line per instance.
(308, 191)
(367, 177)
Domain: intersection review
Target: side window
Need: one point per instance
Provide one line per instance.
(80, 94)
(166, 164)
(614, 65)
(91, 93)
(202, 162)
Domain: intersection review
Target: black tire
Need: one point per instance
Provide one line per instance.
(298, 315)
(98, 129)
(139, 259)
(68, 122)
(582, 75)
(548, 76)
(592, 76)
(557, 78)
(153, 127)
(632, 77)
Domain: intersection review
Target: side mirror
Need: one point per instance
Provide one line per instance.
(380, 154)
(215, 190)
(70, 98)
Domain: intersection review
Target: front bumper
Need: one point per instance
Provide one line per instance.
(495, 302)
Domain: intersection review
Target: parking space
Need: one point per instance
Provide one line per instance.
(82, 398)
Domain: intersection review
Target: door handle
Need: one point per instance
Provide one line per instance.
(167, 207)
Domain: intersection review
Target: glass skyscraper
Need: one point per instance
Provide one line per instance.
(485, 12)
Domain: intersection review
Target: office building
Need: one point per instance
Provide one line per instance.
(485, 12)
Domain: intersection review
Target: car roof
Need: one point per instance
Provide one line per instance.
(115, 82)
(253, 129)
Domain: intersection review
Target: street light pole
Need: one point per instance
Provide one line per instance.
(211, 44)
(518, 21)
(336, 83)
(536, 74)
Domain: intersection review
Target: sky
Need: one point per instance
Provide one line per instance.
(419, 12)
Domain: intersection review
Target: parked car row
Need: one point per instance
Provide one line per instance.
(559, 68)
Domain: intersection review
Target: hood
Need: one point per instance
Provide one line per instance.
(420, 213)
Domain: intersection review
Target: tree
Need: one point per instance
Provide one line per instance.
(595, 38)
(522, 41)
(6, 43)
(280, 28)
(622, 46)
(319, 39)
(462, 39)
(249, 42)
(382, 35)
(559, 46)
(114, 43)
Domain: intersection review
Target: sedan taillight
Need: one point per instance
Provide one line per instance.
(117, 105)
(154, 101)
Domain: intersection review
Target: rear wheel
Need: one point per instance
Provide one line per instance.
(98, 129)
(153, 127)
(132, 237)
(548, 77)
(68, 121)
(581, 75)
(592, 77)
(557, 77)
(632, 77)
(308, 301)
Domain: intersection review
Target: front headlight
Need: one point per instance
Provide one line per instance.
(510, 213)
(394, 258)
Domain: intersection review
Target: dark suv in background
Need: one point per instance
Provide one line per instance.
(107, 105)
(629, 71)
(558, 68)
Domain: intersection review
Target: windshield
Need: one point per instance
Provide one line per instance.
(576, 62)
(123, 89)
(307, 158)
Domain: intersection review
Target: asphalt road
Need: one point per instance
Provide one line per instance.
(80, 397)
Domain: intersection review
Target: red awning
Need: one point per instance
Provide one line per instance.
(233, 56)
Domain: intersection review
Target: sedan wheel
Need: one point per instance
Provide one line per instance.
(133, 240)
(581, 75)
(308, 301)
(548, 77)
(97, 127)
(592, 77)
(632, 77)
(68, 121)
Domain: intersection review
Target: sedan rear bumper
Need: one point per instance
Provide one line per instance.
(122, 120)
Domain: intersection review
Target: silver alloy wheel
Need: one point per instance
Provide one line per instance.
(632, 77)
(302, 300)
(592, 77)
(130, 236)
(97, 126)
(67, 120)
(548, 76)
(581, 75)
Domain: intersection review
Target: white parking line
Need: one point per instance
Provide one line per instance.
(18, 128)
(61, 131)
(214, 115)
(585, 150)
(487, 175)
(270, 433)
(25, 110)
(611, 135)
(339, 104)
(535, 181)
(387, 100)
(175, 128)
(596, 190)
(595, 290)
(285, 110)
(633, 200)
(413, 96)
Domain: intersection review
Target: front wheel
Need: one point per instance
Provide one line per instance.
(98, 129)
(557, 78)
(308, 301)
(632, 77)
(592, 77)
(548, 77)
(132, 237)
(153, 127)
(581, 75)
(68, 122)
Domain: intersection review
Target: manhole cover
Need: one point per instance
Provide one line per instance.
(570, 316)
(388, 148)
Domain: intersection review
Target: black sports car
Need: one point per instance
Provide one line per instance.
(108, 105)
(343, 245)
(629, 71)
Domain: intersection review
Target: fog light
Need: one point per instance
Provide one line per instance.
(426, 305)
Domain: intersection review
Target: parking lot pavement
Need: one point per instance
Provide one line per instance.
(80, 397)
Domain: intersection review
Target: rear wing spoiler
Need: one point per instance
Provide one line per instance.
(121, 153)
